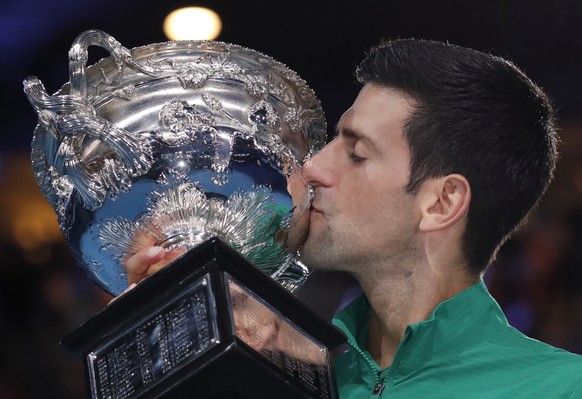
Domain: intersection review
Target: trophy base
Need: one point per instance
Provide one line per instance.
(208, 325)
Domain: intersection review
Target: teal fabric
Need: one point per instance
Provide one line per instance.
(465, 349)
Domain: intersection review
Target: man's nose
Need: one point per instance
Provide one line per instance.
(318, 169)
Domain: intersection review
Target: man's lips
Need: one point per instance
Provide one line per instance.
(315, 209)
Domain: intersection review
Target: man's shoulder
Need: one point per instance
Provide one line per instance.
(510, 364)
(521, 344)
(533, 358)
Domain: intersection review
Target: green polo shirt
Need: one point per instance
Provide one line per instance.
(465, 349)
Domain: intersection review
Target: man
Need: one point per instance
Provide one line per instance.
(442, 155)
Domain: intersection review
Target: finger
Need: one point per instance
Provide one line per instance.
(169, 257)
(137, 266)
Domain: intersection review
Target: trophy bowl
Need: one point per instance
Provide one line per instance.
(172, 144)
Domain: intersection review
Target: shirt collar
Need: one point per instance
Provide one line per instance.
(454, 326)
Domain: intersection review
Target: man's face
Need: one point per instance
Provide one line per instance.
(361, 214)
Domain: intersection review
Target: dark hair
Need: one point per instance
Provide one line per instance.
(477, 115)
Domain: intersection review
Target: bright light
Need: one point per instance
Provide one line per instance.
(192, 23)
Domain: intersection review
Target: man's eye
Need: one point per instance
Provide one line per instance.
(355, 158)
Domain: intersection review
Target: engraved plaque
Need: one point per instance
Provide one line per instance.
(154, 348)
(279, 340)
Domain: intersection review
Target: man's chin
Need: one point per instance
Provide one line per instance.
(314, 257)
(305, 253)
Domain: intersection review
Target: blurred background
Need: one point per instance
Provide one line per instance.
(537, 277)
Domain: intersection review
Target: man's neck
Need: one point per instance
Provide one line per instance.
(402, 299)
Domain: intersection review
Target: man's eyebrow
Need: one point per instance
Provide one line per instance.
(352, 134)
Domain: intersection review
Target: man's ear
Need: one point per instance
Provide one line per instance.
(444, 201)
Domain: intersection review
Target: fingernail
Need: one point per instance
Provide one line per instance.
(154, 251)
(131, 286)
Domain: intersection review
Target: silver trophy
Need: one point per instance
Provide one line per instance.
(193, 144)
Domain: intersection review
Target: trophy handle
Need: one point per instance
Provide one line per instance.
(71, 136)
(78, 56)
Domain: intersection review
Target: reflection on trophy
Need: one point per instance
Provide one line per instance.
(194, 145)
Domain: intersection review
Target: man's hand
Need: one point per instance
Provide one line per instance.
(146, 262)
